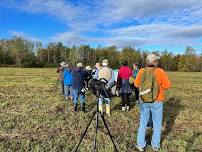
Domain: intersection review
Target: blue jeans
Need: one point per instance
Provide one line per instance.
(68, 91)
(78, 94)
(156, 109)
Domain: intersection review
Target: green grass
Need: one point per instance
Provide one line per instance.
(35, 117)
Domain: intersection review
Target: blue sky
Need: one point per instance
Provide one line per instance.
(145, 24)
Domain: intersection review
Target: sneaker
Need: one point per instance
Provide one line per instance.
(139, 148)
(155, 149)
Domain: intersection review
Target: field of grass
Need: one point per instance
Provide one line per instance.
(35, 117)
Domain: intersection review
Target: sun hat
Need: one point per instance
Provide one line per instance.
(63, 64)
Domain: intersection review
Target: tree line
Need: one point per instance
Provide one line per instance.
(21, 52)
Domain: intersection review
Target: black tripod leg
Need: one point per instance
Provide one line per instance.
(85, 131)
(96, 128)
(105, 124)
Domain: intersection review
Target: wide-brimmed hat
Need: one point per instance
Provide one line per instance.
(152, 57)
(63, 64)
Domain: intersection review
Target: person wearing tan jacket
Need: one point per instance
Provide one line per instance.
(156, 107)
(105, 72)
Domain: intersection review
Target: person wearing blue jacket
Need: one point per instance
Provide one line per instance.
(68, 91)
(78, 85)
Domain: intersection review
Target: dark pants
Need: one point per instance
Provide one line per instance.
(61, 83)
(136, 93)
(125, 99)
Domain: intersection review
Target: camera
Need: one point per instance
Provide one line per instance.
(111, 85)
(101, 87)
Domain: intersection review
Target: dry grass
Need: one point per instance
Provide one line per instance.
(35, 117)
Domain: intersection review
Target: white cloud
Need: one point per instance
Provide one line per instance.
(164, 34)
(24, 35)
(70, 38)
(159, 21)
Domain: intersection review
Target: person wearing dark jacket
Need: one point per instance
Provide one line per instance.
(78, 85)
(88, 75)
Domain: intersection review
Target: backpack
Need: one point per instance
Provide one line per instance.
(149, 88)
(105, 72)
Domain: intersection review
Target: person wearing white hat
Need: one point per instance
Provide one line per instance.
(88, 76)
(60, 70)
(107, 73)
(153, 81)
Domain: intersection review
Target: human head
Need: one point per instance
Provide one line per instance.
(88, 68)
(135, 65)
(97, 65)
(105, 62)
(152, 59)
(79, 65)
(124, 62)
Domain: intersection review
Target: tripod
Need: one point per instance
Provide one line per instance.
(97, 114)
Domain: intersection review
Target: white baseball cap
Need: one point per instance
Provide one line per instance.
(88, 67)
(79, 65)
(105, 62)
(152, 57)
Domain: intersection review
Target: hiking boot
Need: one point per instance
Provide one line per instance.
(155, 149)
(100, 109)
(83, 107)
(75, 107)
(139, 148)
(108, 110)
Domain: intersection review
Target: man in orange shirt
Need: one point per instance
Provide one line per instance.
(156, 107)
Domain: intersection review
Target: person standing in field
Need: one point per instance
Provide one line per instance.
(96, 68)
(78, 86)
(60, 71)
(88, 76)
(68, 82)
(106, 73)
(135, 89)
(151, 81)
(125, 89)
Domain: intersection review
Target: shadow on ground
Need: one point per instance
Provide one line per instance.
(172, 108)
